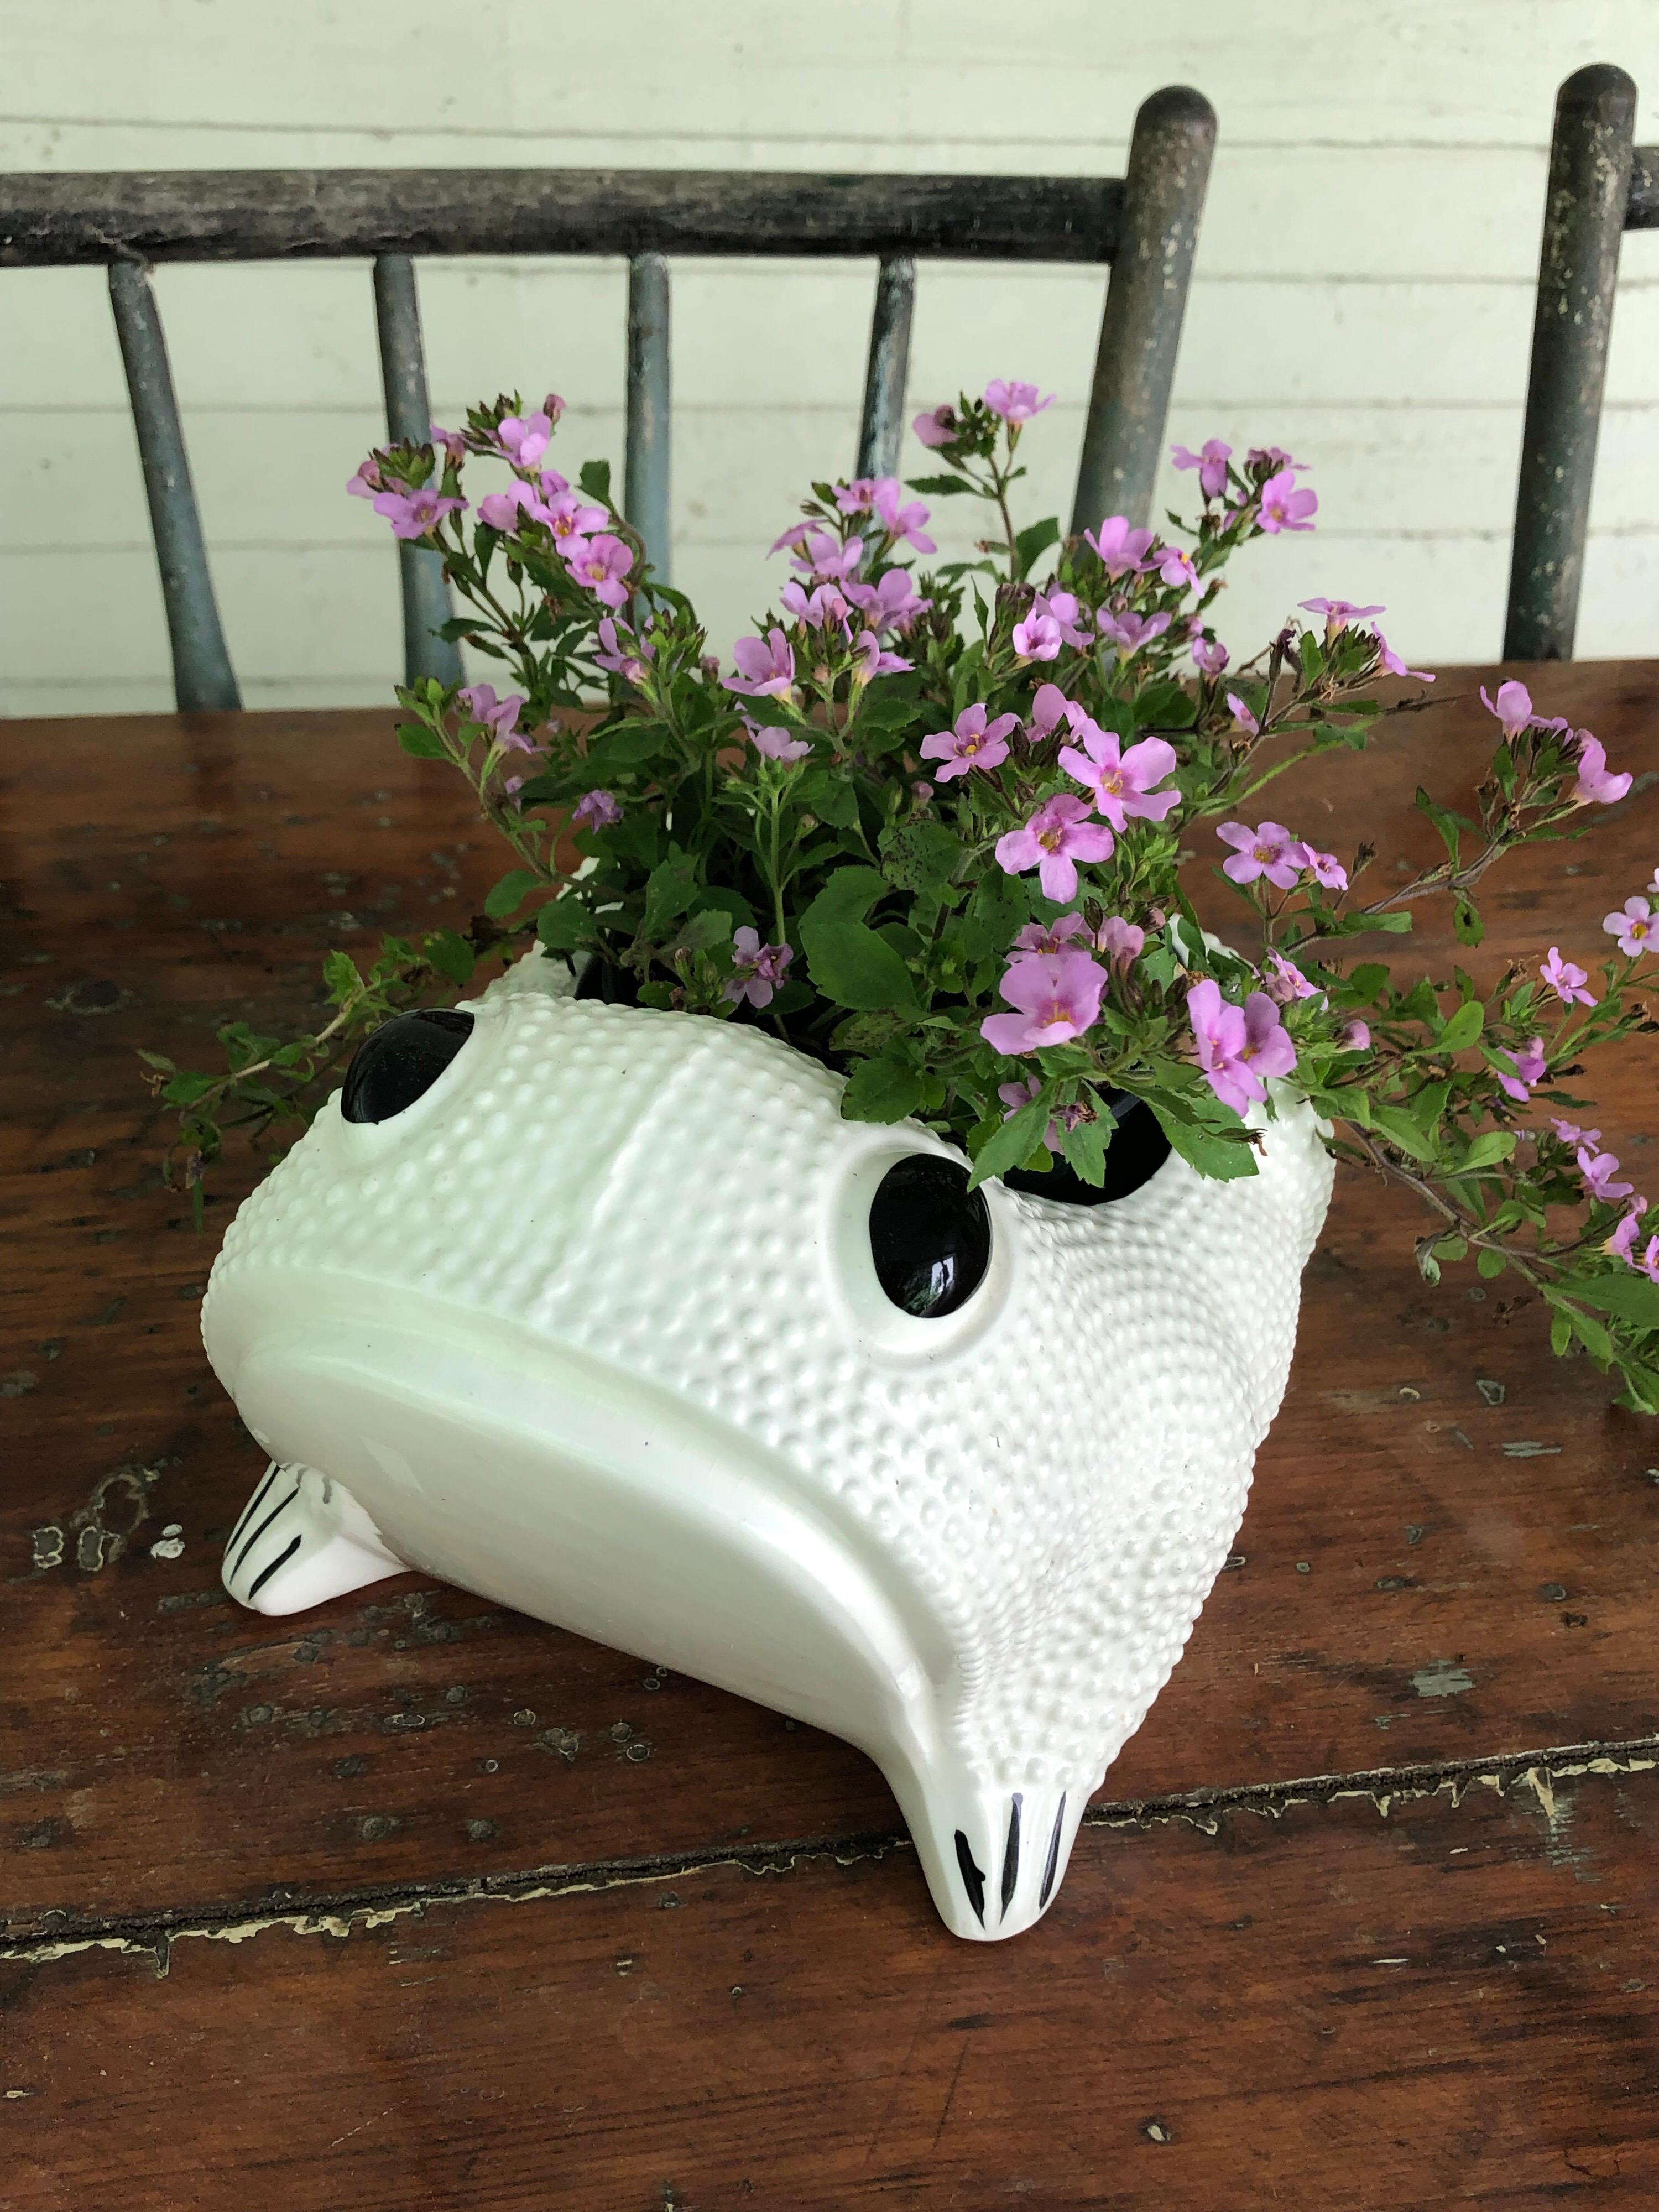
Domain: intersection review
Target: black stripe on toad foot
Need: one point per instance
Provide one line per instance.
(236, 1564)
(1010, 1853)
(253, 1505)
(265, 1573)
(973, 1880)
(1053, 1856)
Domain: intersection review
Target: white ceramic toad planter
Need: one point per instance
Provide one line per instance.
(593, 1328)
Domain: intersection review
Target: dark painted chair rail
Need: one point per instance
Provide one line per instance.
(1144, 225)
(1599, 185)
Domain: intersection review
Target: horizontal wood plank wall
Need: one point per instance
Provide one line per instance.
(1362, 295)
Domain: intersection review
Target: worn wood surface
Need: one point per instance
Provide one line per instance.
(49, 219)
(1447, 1577)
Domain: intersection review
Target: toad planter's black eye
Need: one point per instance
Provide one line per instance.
(401, 1062)
(1137, 1150)
(930, 1236)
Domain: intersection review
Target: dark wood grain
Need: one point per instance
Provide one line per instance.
(50, 218)
(1359, 2006)
(1406, 1592)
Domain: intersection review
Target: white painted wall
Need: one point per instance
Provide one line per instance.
(1363, 292)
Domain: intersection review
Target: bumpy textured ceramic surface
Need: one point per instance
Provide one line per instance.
(593, 1329)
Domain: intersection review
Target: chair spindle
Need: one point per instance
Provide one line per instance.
(409, 415)
(650, 423)
(881, 428)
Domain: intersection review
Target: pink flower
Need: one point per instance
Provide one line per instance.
(1339, 613)
(1356, 1035)
(1594, 786)
(858, 496)
(598, 811)
(1512, 706)
(890, 603)
(1243, 718)
(757, 969)
(775, 744)
(1325, 868)
(873, 659)
(1057, 996)
(567, 515)
(902, 523)
(1621, 1243)
(624, 655)
(1121, 548)
(1263, 457)
(1057, 837)
(498, 716)
(367, 480)
(1211, 464)
(937, 426)
(1121, 784)
(1570, 1133)
(1046, 709)
(1282, 506)
(1175, 569)
(524, 439)
(1130, 632)
(1598, 1170)
(1288, 982)
(1526, 1070)
(1239, 1048)
(969, 745)
(1267, 850)
(502, 509)
(1564, 979)
(1121, 941)
(821, 555)
(1395, 666)
(1015, 403)
(1049, 936)
(1037, 638)
(414, 512)
(1209, 656)
(1633, 926)
(823, 609)
(601, 563)
(764, 670)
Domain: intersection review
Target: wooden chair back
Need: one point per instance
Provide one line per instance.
(1144, 225)
(1601, 185)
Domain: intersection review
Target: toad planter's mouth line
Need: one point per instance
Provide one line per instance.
(607, 1315)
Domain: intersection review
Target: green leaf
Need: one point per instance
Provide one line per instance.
(1490, 1146)
(1037, 538)
(1560, 1334)
(563, 924)
(1630, 1297)
(668, 891)
(1009, 1145)
(594, 478)
(707, 929)
(1222, 1159)
(158, 1061)
(831, 797)
(1466, 925)
(341, 976)
(939, 487)
(185, 1089)
(881, 1090)
(1398, 1126)
(419, 742)
(851, 964)
(848, 896)
(451, 955)
(1464, 1028)
(917, 855)
(1085, 1148)
(1489, 1263)
(507, 896)
(629, 746)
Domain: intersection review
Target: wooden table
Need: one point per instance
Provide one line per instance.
(416, 1902)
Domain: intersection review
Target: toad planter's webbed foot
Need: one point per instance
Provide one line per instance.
(302, 1540)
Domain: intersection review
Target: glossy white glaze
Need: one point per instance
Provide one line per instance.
(593, 1328)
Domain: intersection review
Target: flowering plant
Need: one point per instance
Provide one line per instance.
(927, 827)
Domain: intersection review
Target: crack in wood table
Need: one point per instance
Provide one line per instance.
(415, 1900)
